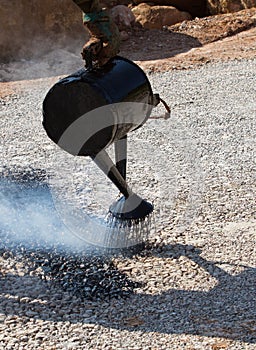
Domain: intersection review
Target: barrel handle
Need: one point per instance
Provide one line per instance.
(156, 100)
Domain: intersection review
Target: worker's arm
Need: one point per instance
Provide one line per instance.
(105, 39)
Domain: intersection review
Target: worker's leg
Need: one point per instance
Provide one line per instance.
(105, 39)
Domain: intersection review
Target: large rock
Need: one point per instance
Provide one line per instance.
(124, 19)
(197, 8)
(32, 27)
(155, 17)
(225, 6)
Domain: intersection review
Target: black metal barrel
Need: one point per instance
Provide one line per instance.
(74, 107)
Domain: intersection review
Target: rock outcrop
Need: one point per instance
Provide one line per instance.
(225, 6)
(197, 8)
(32, 27)
(155, 17)
(124, 19)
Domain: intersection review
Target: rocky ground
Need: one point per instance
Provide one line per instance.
(193, 286)
(196, 42)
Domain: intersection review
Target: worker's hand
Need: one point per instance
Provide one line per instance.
(96, 52)
(105, 39)
(91, 51)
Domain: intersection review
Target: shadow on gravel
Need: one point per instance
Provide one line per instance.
(157, 44)
(228, 310)
(44, 282)
(141, 46)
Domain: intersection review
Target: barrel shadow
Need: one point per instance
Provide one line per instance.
(228, 310)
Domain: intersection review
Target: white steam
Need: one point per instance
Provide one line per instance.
(28, 217)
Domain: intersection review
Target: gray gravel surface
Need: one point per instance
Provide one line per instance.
(193, 286)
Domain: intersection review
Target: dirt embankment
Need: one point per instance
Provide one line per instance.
(32, 28)
(190, 43)
(181, 46)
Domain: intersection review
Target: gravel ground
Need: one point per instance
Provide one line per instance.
(193, 286)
